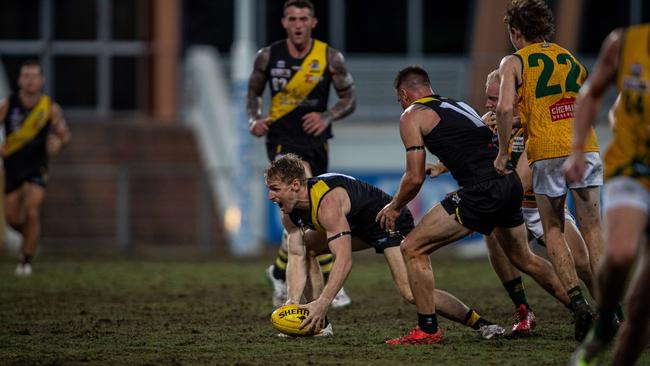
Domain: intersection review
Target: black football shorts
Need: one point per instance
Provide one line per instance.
(488, 204)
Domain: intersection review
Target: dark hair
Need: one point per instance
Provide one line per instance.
(31, 62)
(533, 18)
(413, 76)
(286, 169)
(299, 4)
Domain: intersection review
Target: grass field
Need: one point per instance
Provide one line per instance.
(119, 311)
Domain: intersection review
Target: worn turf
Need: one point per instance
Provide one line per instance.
(119, 311)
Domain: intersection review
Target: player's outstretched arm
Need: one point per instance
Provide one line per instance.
(331, 216)
(258, 126)
(410, 131)
(589, 99)
(296, 262)
(315, 123)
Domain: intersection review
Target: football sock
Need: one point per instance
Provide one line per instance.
(516, 291)
(27, 258)
(325, 261)
(428, 323)
(280, 265)
(575, 294)
(605, 327)
(474, 320)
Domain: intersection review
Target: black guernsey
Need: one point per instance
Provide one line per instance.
(298, 87)
(461, 140)
(31, 157)
(365, 203)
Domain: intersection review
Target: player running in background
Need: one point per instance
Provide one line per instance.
(299, 70)
(336, 212)
(486, 201)
(624, 61)
(34, 130)
(544, 79)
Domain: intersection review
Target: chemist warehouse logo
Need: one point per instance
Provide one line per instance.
(563, 109)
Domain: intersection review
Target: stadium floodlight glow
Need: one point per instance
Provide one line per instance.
(232, 219)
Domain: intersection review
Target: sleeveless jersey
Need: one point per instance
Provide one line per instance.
(365, 203)
(26, 132)
(298, 87)
(551, 79)
(461, 140)
(629, 151)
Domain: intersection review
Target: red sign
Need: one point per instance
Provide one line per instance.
(563, 109)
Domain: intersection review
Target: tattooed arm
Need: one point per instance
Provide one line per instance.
(258, 126)
(316, 123)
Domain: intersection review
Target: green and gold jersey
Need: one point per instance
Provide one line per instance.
(629, 152)
(551, 79)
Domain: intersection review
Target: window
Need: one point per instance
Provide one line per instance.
(75, 81)
(19, 19)
(127, 81)
(209, 22)
(75, 19)
(447, 26)
(379, 29)
(598, 19)
(129, 21)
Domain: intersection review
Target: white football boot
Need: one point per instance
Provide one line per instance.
(24, 270)
(279, 288)
(325, 332)
(341, 299)
(490, 331)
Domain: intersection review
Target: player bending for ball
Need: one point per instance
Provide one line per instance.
(337, 212)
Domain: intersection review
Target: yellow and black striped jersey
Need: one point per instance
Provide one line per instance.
(366, 201)
(298, 87)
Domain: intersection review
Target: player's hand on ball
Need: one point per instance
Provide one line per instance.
(317, 313)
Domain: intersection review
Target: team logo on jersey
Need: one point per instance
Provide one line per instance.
(281, 64)
(563, 109)
(634, 81)
(283, 73)
(314, 66)
(15, 118)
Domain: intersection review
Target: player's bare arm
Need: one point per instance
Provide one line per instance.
(414, 123)
(436, 169)
(296, 262)
(589, 100)
(331, 216)
(4, 107)
(316, 123)
(509, 71)
(258, 126)
(59, 132)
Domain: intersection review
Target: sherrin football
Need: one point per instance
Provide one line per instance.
(287, 319)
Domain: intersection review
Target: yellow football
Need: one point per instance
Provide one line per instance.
(287, 320)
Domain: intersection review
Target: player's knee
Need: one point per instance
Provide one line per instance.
(32, 214)
(407, 248)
